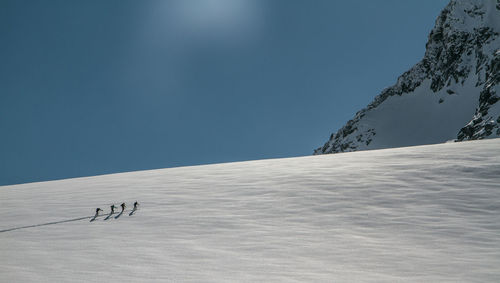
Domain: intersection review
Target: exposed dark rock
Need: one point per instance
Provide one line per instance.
(454, 53)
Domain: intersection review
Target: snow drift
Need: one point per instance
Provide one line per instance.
(421, 214)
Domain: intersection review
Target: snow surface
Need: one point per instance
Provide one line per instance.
(421, 214)
(418, 118)
(468, 23)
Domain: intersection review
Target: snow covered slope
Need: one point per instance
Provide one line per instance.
(453, 93)
(417, 214)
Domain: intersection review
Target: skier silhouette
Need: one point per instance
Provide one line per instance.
(96, 214)
(134, 209)
(123, 207)
(112, 209)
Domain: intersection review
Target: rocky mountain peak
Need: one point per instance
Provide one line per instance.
(451, 94)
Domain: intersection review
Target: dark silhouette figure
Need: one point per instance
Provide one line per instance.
(96, 214)
(111, 213)
(121, 212)
(136, 204)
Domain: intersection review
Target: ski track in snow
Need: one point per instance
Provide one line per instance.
(417, 214)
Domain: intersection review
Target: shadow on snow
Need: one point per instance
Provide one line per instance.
(92, 218)
(46, 224)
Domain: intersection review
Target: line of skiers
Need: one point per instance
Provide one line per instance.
(136, 204)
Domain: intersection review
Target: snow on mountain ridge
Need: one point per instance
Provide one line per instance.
(465, 14)
(436, 99)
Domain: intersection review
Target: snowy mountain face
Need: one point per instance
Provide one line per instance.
(392, 215)
(452, 94)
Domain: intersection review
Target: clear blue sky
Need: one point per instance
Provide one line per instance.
(93, 87)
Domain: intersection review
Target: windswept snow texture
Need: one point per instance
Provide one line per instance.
(418, 214)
